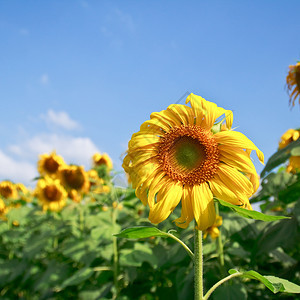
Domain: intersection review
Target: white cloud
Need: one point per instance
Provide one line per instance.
(44, 79)
(16, 170)
(60, 119)
(77, 150)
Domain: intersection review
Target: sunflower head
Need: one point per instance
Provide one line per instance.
(3, 209)
(102, 160)
(288, 137)
(74, 178)
(294, 164)
(293, 83)
(49, 164)
(213, 230)
(8, 190)
(51, 194)
(185, 154)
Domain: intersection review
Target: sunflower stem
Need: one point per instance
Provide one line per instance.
(198, 265)
(115, 257)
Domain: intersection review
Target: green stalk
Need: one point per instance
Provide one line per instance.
(198, 265)
(115, 257)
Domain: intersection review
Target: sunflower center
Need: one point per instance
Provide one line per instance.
(51, 165)
(74, 178)
(51, 193)
(6, 191)
(189, 154)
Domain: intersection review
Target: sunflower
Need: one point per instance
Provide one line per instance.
(97, 184)
(8, 190)
(102, 159)
(213, 230)
(3, 209)
(51, 194)
(74, 178)
(293, 83)
(49, 164)
(180, 154)
(294, 164)
(23, 191)
(288, 137)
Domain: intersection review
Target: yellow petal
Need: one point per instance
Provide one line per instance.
(196, 103)
(237, 139)
(187, 214)
(235, 181)
(222, 192)
(184, 113)
(169, 199)
(203, 206)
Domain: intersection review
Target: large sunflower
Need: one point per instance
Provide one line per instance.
(181, 154)
(51, 194)
(293, 83)
(49, 164)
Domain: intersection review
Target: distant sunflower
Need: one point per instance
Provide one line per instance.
(3, 209)
(74, 196)
(97, 184)
(74, 178)
(294, 164)
(288, 137)
(51, 194)
(293, 83)
(49, 164)
(213, 230)
(8, 190)
(102, 159)
(23, 191)
(180, 155)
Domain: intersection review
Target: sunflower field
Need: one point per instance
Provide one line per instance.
(58, 241)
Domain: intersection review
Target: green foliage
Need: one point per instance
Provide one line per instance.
(75, 253)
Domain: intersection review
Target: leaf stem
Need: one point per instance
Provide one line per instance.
(219, 283)
(188, 250)
(198, 265)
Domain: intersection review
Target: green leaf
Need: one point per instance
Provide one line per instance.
(78, 277)
(251, 214)
(140, 232)
(280, 157)
(275, 284)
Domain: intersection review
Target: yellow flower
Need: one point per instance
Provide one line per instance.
(293, 83)
(3, 209)
(74, 178)
(49, 164)
(288, 137)
(97, 184)
(294, 164)
(23, 191)
(213, 230)
(51, 194)
(102, 159)
(74, 196)
(177, 157)
(8, 190)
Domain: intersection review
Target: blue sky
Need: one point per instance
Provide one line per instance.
(81, 76)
